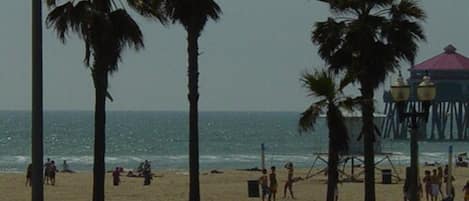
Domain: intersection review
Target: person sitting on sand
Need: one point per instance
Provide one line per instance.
(273, 184)
(29, 172)
(116, 177)
(466, 191)
(263, 182)
(289, 182)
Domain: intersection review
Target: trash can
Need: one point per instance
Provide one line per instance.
(387, 176)
(253, 189)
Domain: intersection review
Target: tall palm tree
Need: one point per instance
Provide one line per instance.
(322, 85)
(368, 39)
(106, 30)
(192, 15)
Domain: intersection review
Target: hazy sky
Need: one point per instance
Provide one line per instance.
(251, 59)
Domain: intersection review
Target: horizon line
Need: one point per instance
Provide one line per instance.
(84, 110)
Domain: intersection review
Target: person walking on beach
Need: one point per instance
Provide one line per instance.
(116, 177)
(264, 183)
(289, 182)
(29, 172)
(466, 191)
(273, 184)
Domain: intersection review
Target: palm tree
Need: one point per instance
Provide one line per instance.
(322, 84)
(368, 39)
(192, 15)
(106, 30)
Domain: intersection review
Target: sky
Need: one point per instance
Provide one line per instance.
(251, 59)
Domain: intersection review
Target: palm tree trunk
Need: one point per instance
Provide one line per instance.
(37, 147)
(368, 140)
(332, 175)
(193, 96)
(100, 81)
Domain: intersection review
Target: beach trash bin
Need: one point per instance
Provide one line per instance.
(253, 189)
(387, 176)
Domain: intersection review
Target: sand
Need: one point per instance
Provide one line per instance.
(231, 185)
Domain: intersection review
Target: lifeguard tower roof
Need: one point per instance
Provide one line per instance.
(448, 60)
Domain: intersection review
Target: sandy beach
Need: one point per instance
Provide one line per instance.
(231, 185)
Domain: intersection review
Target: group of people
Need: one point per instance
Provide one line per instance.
(269, 184)
(143, 170)
(49, 172)
(433, 181)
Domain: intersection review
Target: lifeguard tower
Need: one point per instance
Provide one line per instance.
(449, 115)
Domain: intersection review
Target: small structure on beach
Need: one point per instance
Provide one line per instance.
(449, 115)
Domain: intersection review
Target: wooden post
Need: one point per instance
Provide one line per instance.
(262, 156)
(449, 182)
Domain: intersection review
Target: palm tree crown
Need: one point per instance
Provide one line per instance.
(322, 85)
(106, 31)
(369, 37)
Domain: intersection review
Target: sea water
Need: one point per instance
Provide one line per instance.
(228, 140)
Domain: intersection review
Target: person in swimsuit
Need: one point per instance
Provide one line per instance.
(273, 184)
(289, 182)
(263, 181)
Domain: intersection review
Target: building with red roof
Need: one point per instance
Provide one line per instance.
(449, 115)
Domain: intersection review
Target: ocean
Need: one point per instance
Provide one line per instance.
(228, 140)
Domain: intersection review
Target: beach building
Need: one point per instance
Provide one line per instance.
(449, 114)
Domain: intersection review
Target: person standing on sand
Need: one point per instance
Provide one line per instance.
(289, 182)
(29, 172)
(440, 180)
(46, 171)
(116, 177)
(434, 182)
(52, 171)
(273, 184)
(427, 180)
(264, 183)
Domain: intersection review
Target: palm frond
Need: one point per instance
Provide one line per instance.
(125, 29)
(350, 104)
(349, 77)
(194, 14)
(50, 3)
(150, 8)
(60, 19)
(309, 116)
(320, 84)
(408, 9)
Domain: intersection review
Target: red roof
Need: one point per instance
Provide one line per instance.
(448, 60)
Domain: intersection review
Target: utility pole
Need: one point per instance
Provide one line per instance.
(37, 150)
